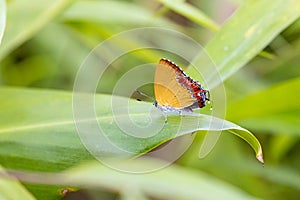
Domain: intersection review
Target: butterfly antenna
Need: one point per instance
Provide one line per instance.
(209, 100)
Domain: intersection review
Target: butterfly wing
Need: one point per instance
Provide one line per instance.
(167, 89)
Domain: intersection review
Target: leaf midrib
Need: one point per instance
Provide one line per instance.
(66, 122)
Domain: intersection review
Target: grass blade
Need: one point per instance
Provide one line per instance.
(191, 13)
(2, 18)
(254, 25)
(24, 21)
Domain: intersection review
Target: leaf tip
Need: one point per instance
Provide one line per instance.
(259, 157)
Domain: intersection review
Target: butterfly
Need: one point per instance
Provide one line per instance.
(176, 91)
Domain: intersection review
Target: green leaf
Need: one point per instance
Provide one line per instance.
(37, 129)
(274, 109)
(112, 12)
(253, 26)
(229, 50)
(191, 13)
(2, 18)
(188, 184)
(38, 132)
(259, 104)
(10, 188)
(25, 18)
(280, 146)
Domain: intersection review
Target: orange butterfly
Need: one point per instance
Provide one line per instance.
(175, 91)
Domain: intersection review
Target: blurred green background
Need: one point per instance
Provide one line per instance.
(45, 43)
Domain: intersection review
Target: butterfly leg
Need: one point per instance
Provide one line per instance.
(144, 95)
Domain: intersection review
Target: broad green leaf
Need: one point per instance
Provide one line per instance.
(25, 18)
(191, 13)
(2, 18)
(34, 135)
(37, 129)
(188, 184)
(245, 34)
(10, 188)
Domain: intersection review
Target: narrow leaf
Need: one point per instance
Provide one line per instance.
(112, 12)
(191, 13)
(2, 18)
(188, 184)
(25, 18)
(254, 25)
(10, 188)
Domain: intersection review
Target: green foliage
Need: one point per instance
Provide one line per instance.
(41, 128)
(251, 29)
(188, 184)
(45, 43)
(10, 188)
